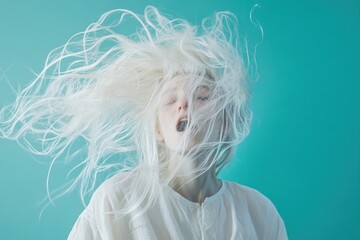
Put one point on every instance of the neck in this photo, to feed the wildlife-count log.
(199, 188)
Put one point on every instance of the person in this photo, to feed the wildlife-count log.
(160, 112)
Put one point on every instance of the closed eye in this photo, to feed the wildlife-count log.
(202, 98)
(170, 101)
(202, 93)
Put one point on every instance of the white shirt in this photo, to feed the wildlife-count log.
(234, 212)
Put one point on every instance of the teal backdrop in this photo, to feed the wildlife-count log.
(304, 148)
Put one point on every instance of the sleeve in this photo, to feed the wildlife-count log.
(276, 229)
(89, 224)
(99, 219)
(85, 228)
(268, 222)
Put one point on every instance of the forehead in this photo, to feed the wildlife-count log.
(187, 82)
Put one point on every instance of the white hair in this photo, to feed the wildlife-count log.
(103, 88)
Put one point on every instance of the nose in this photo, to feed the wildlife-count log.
(182, 105)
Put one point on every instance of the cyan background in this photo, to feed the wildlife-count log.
(304, 149)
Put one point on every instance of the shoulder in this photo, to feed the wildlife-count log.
(255, 200)
(263, 213)
(250, 194)
(110, 192)
(97, 219)
(116, 182)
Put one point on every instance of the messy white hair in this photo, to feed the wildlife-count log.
(103, 88)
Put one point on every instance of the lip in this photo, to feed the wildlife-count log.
(182, 118)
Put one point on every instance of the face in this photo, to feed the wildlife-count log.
(175, 116)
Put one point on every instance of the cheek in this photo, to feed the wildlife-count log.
(164, 120)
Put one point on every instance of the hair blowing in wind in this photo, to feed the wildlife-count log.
(104, 88)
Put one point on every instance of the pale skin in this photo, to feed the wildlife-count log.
(174, 108)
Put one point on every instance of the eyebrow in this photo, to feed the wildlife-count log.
(172, 89)
(203, 86)
(169, 90)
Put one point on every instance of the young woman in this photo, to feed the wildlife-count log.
(162, 110)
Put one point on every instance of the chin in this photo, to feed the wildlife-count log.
(191, 145)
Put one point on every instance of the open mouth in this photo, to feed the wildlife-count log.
(182, 125)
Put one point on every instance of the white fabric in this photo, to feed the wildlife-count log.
(234, 212)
